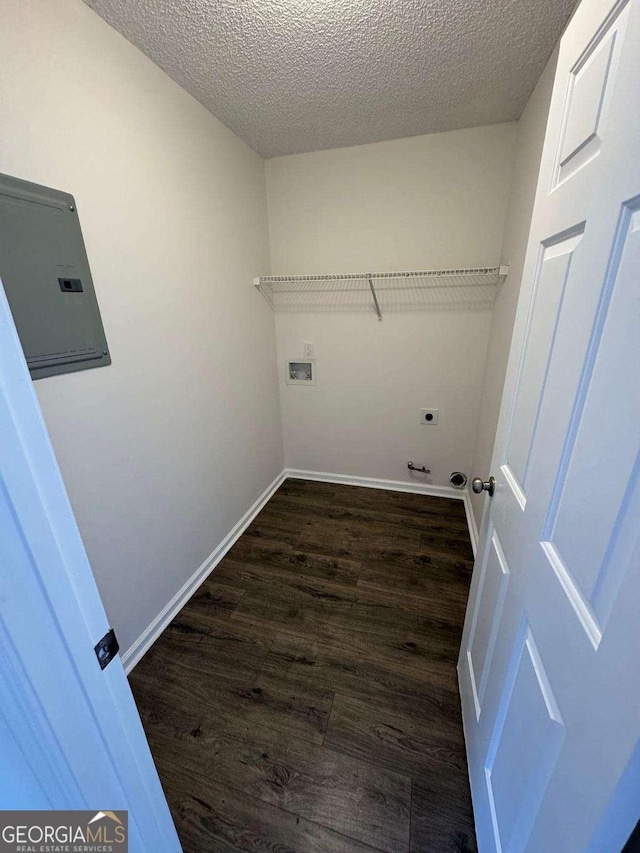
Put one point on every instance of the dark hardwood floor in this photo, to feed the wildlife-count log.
(306, 699)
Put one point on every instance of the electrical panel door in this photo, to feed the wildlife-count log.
(45, 273)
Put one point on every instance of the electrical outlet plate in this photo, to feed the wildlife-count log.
(307, 349)
(429, 417)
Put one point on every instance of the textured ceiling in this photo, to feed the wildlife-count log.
(301, 75)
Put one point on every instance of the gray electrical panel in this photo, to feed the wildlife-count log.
(45, 273)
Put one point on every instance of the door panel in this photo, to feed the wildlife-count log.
(590, 81)
(548, 667)
(493, 590)
(530, 726)
(608, 393)
(548, 296)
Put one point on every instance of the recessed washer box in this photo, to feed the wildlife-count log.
(300, 371)
(45, 273)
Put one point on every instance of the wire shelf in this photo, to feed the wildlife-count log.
(461, 289)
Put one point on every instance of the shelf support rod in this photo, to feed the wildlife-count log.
(375, 300)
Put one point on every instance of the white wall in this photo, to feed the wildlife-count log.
(435, 201)
(531, 130)
(166, 449)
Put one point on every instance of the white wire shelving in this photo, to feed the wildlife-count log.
(382, 292)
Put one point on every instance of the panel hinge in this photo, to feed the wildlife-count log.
(107, 648)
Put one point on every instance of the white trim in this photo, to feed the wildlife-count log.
(372, 483)
(471, 521)
(396, 486)
(148, 637)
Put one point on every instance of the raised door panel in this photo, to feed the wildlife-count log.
(487, 617)
(595, 490)
(553, 276)
(590, 84)
(525, 746)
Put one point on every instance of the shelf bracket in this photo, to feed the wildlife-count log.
(375, 301)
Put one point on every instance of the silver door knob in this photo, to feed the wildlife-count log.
(478, 485)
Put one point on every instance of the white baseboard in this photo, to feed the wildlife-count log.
(371, 483)
(396, 486)
(471, 521)
(148, 637)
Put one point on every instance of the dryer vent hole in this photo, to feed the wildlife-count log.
(458, 480)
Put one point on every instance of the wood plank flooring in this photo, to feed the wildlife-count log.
(306, 699)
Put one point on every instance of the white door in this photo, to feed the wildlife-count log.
(70, 734)
(550, 660)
